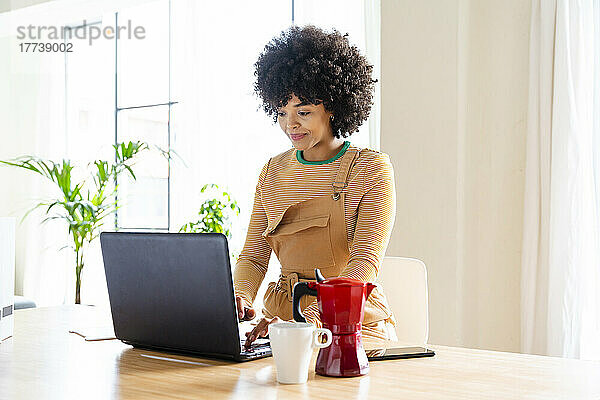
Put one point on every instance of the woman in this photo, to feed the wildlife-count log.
(324, 203)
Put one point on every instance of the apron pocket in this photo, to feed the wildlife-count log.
(303, 244)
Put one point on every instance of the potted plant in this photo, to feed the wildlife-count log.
(215, 213)
(83, 205)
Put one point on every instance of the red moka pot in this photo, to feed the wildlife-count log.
(341, 306)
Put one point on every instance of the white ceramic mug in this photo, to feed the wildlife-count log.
(292, 344)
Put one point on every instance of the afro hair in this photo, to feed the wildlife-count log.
(318, 67)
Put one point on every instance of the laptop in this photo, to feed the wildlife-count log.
(174, 292)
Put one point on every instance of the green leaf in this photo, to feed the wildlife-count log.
(131, 172)
(31, 210)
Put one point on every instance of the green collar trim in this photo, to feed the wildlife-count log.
(301, 159)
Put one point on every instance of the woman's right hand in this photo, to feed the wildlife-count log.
(245, 310)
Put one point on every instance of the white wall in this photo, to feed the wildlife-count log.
(454, 103)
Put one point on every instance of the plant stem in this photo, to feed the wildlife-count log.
(78, 268)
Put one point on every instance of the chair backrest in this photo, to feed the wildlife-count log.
(404, 282)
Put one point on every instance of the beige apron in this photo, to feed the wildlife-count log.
(312, 234)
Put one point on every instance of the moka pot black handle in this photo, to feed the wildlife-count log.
(303, 289)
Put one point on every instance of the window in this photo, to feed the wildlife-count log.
(143, 113)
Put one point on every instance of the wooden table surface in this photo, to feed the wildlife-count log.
(43, 361)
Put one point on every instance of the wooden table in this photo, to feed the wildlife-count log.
(43, 361)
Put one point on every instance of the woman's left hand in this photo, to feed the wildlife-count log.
(260, 330)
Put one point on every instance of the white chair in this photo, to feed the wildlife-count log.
(404, 282)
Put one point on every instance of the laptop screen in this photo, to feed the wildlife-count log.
(172, 291)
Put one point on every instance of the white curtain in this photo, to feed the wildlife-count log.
(561, 238)
(216, 127)
(32, 124)
(35, 121)
(372, 27)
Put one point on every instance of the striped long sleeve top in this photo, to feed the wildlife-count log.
(370, 211)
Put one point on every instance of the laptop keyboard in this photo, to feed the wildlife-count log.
(259, 347)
